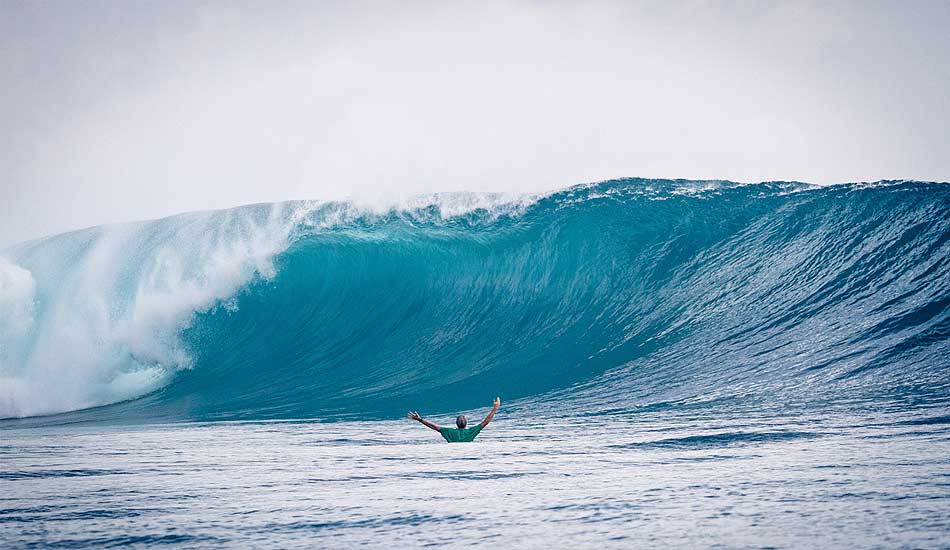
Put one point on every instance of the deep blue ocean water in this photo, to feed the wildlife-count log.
(688, 364)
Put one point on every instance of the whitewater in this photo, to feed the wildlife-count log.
(750, 358)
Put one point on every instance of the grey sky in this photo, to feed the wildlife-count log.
(118, 111)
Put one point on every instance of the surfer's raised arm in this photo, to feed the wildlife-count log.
(415, 416)
(491, 415)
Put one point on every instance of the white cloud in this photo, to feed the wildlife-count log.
(125, 111)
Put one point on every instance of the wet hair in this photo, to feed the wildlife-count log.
(461, 421)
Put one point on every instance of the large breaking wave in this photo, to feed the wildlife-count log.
(625, 293)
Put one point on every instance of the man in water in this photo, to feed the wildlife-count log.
(460, 434)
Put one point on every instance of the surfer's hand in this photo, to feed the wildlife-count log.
(497, 402)
(414, 415)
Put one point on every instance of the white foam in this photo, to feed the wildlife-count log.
(17, 294)
(110, 303)
(445, 206)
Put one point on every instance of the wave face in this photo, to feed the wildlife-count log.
(627, 293)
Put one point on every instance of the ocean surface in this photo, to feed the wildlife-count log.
(681, 363)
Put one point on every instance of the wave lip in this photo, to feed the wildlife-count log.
(612, 295)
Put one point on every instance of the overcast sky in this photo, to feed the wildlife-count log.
(115, 111)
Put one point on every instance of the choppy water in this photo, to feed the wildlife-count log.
(850, 477)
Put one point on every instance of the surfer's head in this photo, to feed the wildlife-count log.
(461, 421)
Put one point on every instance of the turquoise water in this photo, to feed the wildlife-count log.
(681, 363)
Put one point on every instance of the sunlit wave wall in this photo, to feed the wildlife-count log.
(626, 293)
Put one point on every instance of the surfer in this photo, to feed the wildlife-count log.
(462, 433)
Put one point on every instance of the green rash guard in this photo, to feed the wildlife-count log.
(455, 435)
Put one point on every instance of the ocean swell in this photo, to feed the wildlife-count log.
(625, 293)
